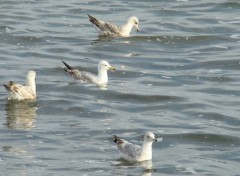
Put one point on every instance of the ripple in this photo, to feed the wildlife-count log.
(179, 77)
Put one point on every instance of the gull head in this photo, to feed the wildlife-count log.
(104, 65)
(31, 75)
(134, 21)
(149, 137)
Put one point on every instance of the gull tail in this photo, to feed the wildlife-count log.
(68, 67)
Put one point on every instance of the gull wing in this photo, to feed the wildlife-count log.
(105, 27)
(80, 75)
(18, 91)
(129, 151)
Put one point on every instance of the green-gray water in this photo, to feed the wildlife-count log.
(178, 77)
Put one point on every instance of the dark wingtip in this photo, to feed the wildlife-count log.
(92, 19)
(68, 66)
(64, 62)
(7, 86)
(115, 138)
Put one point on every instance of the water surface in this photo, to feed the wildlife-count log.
(178, 77)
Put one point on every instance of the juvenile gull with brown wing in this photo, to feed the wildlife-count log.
(108, 29)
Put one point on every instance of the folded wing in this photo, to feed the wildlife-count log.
(19, 92)
(83, 76)
(105, 27)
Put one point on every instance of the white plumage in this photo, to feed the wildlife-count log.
(85, 77)
(136, 153)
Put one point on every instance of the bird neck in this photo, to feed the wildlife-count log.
(147, 150)
(31, 83)
(102, 76)
(127, 28)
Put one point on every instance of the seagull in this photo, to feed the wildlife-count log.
(20, 92)
(135, 153)
(108, 29)
(85, 77)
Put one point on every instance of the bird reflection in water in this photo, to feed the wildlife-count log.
(147, 166)
(21, 114)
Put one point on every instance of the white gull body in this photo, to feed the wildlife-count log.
(108, 29)
(136, 153)
(20, 92)
(85, 77)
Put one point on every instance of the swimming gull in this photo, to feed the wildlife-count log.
(20, 92)
(86, 77)
(136, 153)
(108, 29)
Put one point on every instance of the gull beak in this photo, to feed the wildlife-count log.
(138, 29)
(158, 139)
(112, 68)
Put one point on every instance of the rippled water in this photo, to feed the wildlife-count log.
(178, 77)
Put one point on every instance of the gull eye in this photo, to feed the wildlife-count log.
(136, 22)
(105, 65)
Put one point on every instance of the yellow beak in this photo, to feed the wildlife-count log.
(112, 68)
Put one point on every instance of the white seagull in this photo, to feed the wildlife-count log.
(108, 29)
(20, 92)
(136, 153)
(85, 77)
